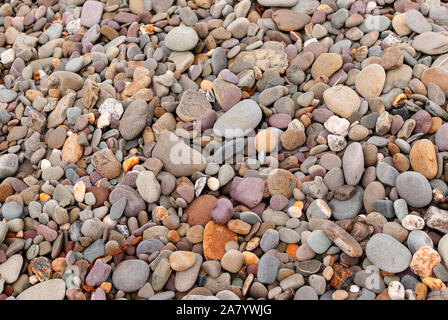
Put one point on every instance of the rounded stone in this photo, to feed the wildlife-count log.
(387, 253)
(130, 275)
(414, 188)
(370, 81)
(181, 39)
(342, 100)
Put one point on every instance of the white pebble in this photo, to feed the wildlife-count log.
(396, 290)
(7, 56)
(213, 184)
(295, 212)
(45, 164)
(413, 222)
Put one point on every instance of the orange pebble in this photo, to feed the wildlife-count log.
(433, 283)
(129, 163)
(298, 204)
(385, 273)
(250, 258)
(436, 123)
(161, 213)
(106, 286)
(305, 120)
(44, 197)
(173, 236)
(158, 111)
(245, 95)
(90, 118)
(291, 249)
(36, 76)
(206, 85)
(56, 62)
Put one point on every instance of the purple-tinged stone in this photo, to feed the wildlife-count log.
(126, 17)
(249, 191)
(423, 121)
(279, 120)
(396, 125)
(222, 211)
(278, 202)
(98, 274)
(149, 246)
(91, 13)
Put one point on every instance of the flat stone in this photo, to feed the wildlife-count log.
(239, 121)
(387, 253)
(178, 158)
(342, 100)
(414, 188)
(267, 269)
(342, 239)
(215, 239)
(370, 81)
(432, 43)
(130, 275)
(181, 39)
(49, 290)
(192, 105)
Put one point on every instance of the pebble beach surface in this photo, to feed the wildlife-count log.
(223, 150)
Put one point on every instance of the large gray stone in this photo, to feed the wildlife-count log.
(130, 275)
(239, 121)
(414, 188)
(387, 253)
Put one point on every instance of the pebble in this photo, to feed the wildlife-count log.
(10, 269)
(342, 100)
(414, 188)
(267, 269)
(11, 210)
(387, 253)
(53, 289)
(248, 114)
(130, 275)
(182, 260)
(181, 39)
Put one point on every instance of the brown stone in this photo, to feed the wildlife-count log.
(182, 260)
(192, 105)
(421, 290)
(109, 32)
(89, 93)
(106, 164)
(215, 238)
(101, 195)
(239, 226)
(392, 58)
(401, 162)
(72, 150)
(56, 137)
(326, 65)
(5, 191)
(437, 76)
(292, 138)
(383, 295)
(282, 182)
(289, 20)
(198, 212)
(423, 158)
(139, 83)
